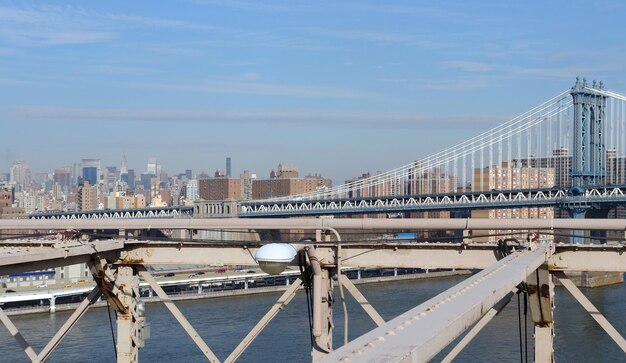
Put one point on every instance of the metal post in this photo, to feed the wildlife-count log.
(323, 303)
(322, 307)
(128, 339)
(541, 302)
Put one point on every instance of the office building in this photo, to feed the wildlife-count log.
(19, 175)
(91, 163)
(219, 189)
(87, 197)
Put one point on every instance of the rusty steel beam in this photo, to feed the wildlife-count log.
(15, 260)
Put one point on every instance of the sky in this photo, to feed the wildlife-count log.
(338, 88)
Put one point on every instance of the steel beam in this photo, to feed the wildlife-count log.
(62, 254)
(588, 258)
(128, 334)
(18, 336)
(316, 223)
(541, 303)
(208, 353)
(69, 323)
(419, 334)
(282, 302)
(592, 310)
(322, 297)
(382, 255)
(369, 309)
(478, 327)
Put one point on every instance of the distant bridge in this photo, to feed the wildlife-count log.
(568, 152)
(164, 212)
(500, 199)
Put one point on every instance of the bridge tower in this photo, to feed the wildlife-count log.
(589, 154)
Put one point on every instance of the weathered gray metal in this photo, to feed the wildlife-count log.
(420, 333)
(319, 223)
(541, 303)
(588, 160)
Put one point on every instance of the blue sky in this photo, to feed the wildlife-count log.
(338, 88)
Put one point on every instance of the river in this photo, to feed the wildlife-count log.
(223, 322)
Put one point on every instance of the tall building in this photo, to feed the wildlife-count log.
(615, 168)
(511, 177)
(146, 180)
(192, 191)
(87, 198)
(131, 179)
(153, 167)
(63, 176)
(228, 166)
(286, 182)
(6, 198)
(560, 161)
(247, 179)
(90, 174)
(110, 177)
(123, 166)
(32, 202)
(91, 163)
(20, 175)
(285, 171)
(219, 189)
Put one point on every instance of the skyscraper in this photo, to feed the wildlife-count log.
(20, 175)
(152, 166)
(90, 174)
(123, 166)
(91, 163)
(228, 170)
(130, 179)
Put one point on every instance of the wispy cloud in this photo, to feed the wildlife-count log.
(482, 75)
(252, 5)
(380, 37)
(161, 23)
(471, 66)
(114, 69)
(49, 26)
(258, 88)
(298, 118)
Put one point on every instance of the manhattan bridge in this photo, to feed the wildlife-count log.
(563, 158)
(568, 152)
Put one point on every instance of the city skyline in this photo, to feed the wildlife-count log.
(336, 88)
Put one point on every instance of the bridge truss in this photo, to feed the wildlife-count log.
(417, 335)
(495, 199)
